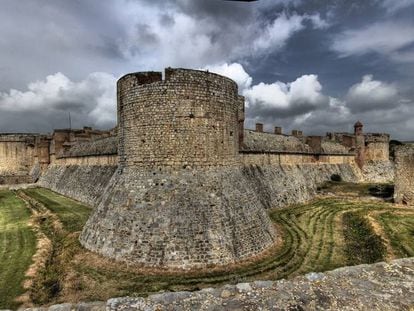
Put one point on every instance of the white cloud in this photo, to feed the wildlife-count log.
(92, 101)
(176, 36)
(297, 97)
(396, 5)
(274, 36)
(317, 21)
(371, 94)
(233, 71)
(382, 38)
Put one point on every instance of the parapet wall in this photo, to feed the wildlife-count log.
(404, 175)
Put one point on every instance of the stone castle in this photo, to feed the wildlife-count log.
(179, 183)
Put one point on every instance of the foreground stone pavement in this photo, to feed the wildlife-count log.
(381, 286)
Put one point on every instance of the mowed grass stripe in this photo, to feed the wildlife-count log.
(18, 245)
(72, 214)
(313, 240)
(399, 229)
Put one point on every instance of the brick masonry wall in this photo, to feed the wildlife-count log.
(404, 175)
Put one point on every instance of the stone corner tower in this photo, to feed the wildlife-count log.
(179, 199)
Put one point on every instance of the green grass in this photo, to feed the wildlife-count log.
(399, 229)
(17, 246)
(321, 235)
(362, 244)
(72, 214)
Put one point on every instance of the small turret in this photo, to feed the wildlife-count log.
(358, 128)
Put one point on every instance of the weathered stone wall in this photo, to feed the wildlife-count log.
(260, 141)
(330, 147)
(189, 119)
(188, 219)
(99, 147)
(17, 152)
(378, 172)
(404, 175)
(85, 183)
(282, 185)
(377, 147)
(279, 158)
(15, 179)
(103, 160)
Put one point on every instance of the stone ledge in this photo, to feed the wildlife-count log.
(380, 286)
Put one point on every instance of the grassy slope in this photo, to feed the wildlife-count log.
(314, 239)
(72, 214)
(17, 246)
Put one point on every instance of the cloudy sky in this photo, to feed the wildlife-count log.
(315, 65)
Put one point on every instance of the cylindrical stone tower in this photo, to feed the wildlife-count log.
(180, 199)
(189, 119)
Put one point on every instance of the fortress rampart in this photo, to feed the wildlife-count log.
(180, 183)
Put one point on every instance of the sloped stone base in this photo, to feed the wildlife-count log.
(180, 220)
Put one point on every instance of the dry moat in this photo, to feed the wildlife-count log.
(346, 224)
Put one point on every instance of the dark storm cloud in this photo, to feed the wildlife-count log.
(315, 65)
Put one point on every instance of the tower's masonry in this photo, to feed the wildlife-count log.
(190, 119)
(180, 199)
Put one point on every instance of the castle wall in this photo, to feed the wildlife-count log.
(279, 186)
(179, 199)
(269, 142)
(85, 183)
(188, 220)
(17, 158)
(377, 147)
(404, 175)
(99, 160)
(279, 158)
(189, 119)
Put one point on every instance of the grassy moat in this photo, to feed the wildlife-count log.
(347, 224)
